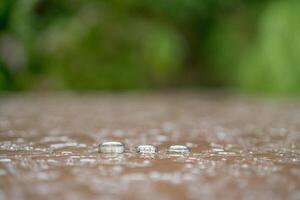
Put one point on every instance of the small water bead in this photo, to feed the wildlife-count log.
(5, 160)
(217, 150)
(146, 149)
(179, 149)
(111, 147)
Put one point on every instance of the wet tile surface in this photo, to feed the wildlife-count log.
(241, 148)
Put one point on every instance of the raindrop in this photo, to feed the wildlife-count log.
(5, 160)
(111, 147)
(179, 149)
(87, 160)
(146, 149)
(217, 149)
(62, 145)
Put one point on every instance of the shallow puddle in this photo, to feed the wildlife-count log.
(240, 148)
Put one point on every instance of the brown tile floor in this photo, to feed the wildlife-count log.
(242, 148)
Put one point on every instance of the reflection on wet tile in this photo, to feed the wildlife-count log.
(52, 144)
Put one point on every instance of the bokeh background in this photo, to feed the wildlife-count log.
(249, 46)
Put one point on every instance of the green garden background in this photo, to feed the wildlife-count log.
(113, 45)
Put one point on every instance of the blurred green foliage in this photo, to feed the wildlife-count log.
(252, 45)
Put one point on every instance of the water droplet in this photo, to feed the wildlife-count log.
(178, 149)
(62, 145)
(146, 149)
(225, 153)
(66, 152)
(87, 160)
(52, 161)
(217, 149)
(111, 147)
(5, 160)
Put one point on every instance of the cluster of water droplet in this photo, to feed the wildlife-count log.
(236, 154)
(118, 147)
